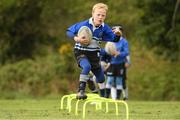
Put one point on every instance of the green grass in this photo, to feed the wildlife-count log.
(50, 109)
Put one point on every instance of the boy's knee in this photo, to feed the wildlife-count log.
(86, 68)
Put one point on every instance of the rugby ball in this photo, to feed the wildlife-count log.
(85, 32)
(110, 48)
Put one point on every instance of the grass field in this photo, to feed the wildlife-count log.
(49, 109)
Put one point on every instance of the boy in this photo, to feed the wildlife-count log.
(117, 71)
(88, 56)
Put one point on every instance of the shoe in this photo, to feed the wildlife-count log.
(81, 95)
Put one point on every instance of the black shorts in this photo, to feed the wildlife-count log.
(92, 56)
(116, 70)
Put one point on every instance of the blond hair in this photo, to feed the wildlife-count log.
(100, 5)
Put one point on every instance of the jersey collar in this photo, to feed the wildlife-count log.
(91, 22)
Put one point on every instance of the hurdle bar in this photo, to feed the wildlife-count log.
(92, 98)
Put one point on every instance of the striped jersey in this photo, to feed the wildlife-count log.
(100, 33)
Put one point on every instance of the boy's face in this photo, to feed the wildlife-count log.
(99, 16)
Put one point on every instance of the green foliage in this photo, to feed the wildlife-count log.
(152, 78)
(158, 28)
(36, 77)
(21, 30)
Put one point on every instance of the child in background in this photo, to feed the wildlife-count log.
(116, 71)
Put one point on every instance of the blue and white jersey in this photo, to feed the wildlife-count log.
(100, 33)
(123, 47)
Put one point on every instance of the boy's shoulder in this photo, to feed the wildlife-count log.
(106, 27)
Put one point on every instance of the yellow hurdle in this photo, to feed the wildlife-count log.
(92, 98)
(69, 99)
(63, 100)
(107, 109)
(89, 97)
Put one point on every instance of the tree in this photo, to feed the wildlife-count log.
(21, 30)
(161, 26)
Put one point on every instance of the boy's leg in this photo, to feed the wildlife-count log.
(125, 88)
(109, 86)
(119, 87)
(118, 94)
(113, 93)
(102, 91)
(91, 84)
(100, 79)
(86, 67)
(125, 91)
(82, 86)
(113, 88)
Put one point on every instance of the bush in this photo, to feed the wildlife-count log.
(42, 76)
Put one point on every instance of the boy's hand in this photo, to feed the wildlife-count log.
(116, 53)
(127, 65)
(82, 40)
(117, 32)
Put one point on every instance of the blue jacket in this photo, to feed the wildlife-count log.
(123, 47)
(101, 33)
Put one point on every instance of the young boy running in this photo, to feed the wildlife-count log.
(88, 56)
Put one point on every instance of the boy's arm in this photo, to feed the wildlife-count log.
(118, 34)
(72, 33)
(128, 61)
(79, 39)
(123, 53)
(126, 50)
(110, 36)
(116, 38)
